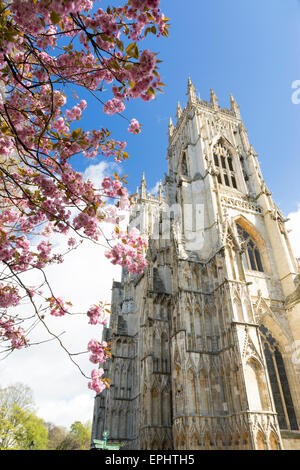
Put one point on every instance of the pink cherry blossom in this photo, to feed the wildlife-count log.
(135, 127)
(48, 49)
(97, 383)
(97, 315)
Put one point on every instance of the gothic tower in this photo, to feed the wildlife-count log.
(204, 341)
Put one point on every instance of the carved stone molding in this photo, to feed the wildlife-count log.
(241, 204)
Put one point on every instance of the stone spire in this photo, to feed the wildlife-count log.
(213, 99)
(191, 92)
(143, 187)
(160, 191)
(178, 110)
(171, 127)
(234, 107)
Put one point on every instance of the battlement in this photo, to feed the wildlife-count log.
(194, 101)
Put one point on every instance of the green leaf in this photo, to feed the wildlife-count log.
(150, 91)
(120, 45)
(54, 17)
(130, 48)
(115, 64)
(136, 52)
(75, 134)
(9, 35)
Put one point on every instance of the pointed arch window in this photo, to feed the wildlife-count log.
(183, 165)
(251, 254)
(279, 382)
(224, 164)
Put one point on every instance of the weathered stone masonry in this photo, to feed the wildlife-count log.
(204, 342)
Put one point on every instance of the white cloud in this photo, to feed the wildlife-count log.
(62, 411)
(294, 235)
(60, 391)
(155, 188)
(96, 173)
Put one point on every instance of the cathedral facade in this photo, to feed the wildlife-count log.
(204, 342)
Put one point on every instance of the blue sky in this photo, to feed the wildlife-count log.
(248, 48)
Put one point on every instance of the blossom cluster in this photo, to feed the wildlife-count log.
(97, 383)
(57, 307)
(135, 127)
(97, 314)
(100, 351)
(44, 47)
(9, 296)
(129, 252)
(15, 335)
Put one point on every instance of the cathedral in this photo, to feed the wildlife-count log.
(204, 342)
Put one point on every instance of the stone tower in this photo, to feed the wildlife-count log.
(205, 340)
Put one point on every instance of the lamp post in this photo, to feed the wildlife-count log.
(104, 445)
(105, 434)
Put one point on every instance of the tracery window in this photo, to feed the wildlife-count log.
(279, 382)
(251, 255)
(224, 163)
